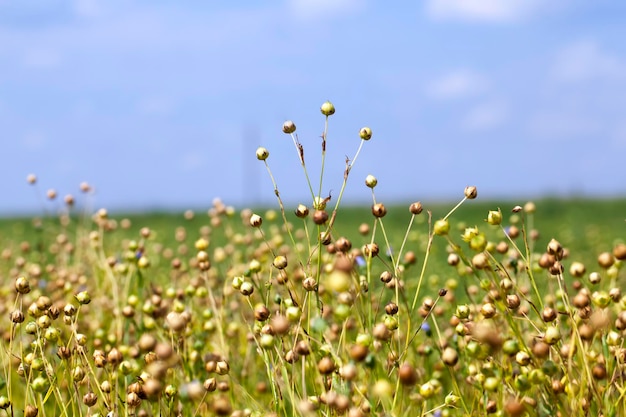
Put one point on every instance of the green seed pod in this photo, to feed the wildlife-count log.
(427, 390)
(266, 341)
(521, 383)
(327, 109)
(494, 218)
(280, 262)
(600, 299)
(246, 288)
(391, 322)
(371, 181)
(31, 328)
(4, 402)
(365, 133)
(83, 297)
(40, 384)
(451, 400)
(341, 311)
(536, 376)
(441, 227)
(462, 311)
(491, 384)
(552, 335)
(22, 286)
(262, 154)
(510, 347)
(171, 391)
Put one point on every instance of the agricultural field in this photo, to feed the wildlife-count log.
(507, 308)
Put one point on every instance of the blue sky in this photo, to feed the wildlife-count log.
(162, 104)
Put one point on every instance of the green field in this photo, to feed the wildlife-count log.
(586, 226)
(168, 313)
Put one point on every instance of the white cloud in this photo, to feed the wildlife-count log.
(563, 125)
(314, 9)
(619, 137)
(192, 161)
(484, 10)
(457, 84)
(585, 60)
(34, 141)
(486, 116)
(41, 59)
(156, 106)
(87, 8)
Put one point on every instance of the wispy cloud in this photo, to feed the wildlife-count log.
(457, 84)
(156, 106)
(484, 10)
(315, 9)
(619, 137)
(34, 140)
(486, 116)
(564, 124)
(586, 60)
(88, 8)
(41, 59)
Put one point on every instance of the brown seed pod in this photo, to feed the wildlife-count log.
(513, 232)
(358, 352)
(512, 301)
(279, 324)
(133, 400)
(146, 342)
(416, 208)
(407, 374)
(343, 245)
(453, 259)
(599, 371)
(31, 411)
(303, 348)
(371, 249)
(491, 407)
(555, 248)
(480, 261)
(581, 300)
(320, 217)
(381, 332)
(488, 310)
(586, 331)
(619, 251)
(577, 269)
(90, 399)
(502, 247)
(449, 356)
(514, 408)
(386, 277)
(222, 406)
(291, 356)
(289, 127)
(391, 308)
(379, 210)
(557, 268)
(546, 260)
(261, 312)
(410, 258)
(548, 314)
(344, 264)
(326, 365)
(606, 260)
(471, 192)
(541, 349)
